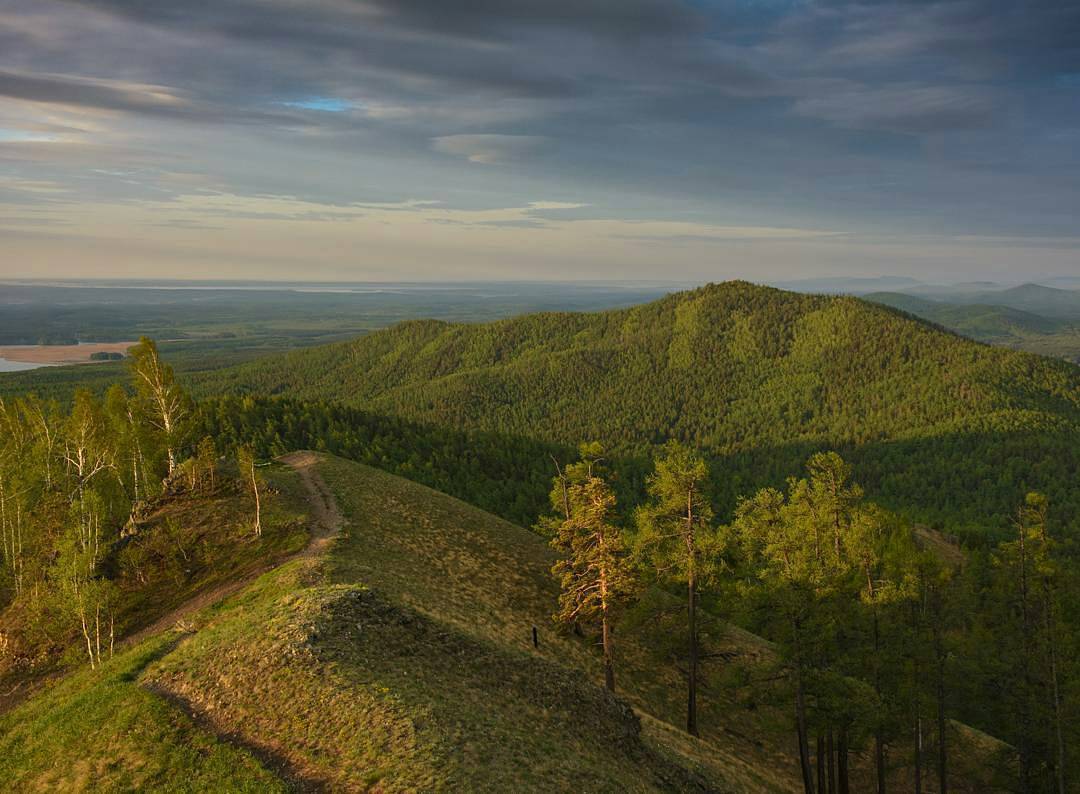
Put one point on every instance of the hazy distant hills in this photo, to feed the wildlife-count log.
(1061, 304)
(1038, 318)
(1031, 317)
(980, 321)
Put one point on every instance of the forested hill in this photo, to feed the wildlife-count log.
(734, 369)
(729, 366)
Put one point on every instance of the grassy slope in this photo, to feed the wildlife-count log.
(465, 568)
(126, 737)
(187, 546)
(461, 567)
(401, 661)
(326, 672)
(102, 731)
(415, 642)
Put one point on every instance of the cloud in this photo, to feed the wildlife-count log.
(322, 104)
(89, 92)
(556, 205)
(955, 115)
(908, 109)
(73, 92)
(488, 149)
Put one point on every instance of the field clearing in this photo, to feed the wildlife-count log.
(61, 354)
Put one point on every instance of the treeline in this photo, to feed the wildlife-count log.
(503, 475)
(967, 484)
(881, 641)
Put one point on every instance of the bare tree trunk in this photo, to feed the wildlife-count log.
(86, 634)
(879, 740)
(691, 702)
(832, 762)
(918, 755)
(97, 630)
(1055, 692)
(258, 506)
(820, 762)
(916, 709)
(609, 661)
(844, 783)
(691, 554)
(943, 775)
(800, 713)
(1025, 695)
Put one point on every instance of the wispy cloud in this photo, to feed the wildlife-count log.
(489, 148)
(949, 117)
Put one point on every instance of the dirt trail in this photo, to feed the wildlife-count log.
(326, 520)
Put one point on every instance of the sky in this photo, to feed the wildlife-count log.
(539, 139)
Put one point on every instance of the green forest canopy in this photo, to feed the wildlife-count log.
(947, 430)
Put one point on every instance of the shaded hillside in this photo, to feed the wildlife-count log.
(994, 324)
(1052, 302)
(985, 322)
(753, 375)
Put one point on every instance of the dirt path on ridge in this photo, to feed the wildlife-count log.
(325, 521)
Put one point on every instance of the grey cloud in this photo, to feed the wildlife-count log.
(907, 109)
(90, 93)
(488, 149)
(120, 96)
(789, 113)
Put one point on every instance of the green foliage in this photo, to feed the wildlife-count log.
(593, 569)
(90, 545)
(676, 538)
(942, 429)
(508, 476)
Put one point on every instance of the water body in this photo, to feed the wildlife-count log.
(19, 366)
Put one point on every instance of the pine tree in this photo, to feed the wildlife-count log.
(678, 542)
(593, 572)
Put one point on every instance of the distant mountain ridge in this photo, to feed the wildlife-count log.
(1051, 302)
(985, 322)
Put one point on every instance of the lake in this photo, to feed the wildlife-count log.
(19, 366)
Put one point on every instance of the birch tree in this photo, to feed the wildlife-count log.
(249, 474)
(164, 403)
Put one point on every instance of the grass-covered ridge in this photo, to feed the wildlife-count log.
(328, 673)
(103, 731)
(400, 658)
